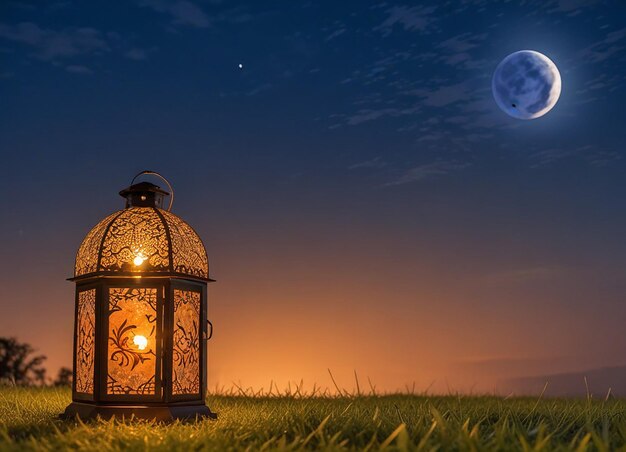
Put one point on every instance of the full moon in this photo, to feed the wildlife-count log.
(526, 84)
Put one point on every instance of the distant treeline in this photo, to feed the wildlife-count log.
(21, 366)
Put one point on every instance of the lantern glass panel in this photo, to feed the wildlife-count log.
(85, 341)
(186, 343)
(132, 341)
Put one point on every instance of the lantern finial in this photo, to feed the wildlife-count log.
(144, 194)
(147, 194)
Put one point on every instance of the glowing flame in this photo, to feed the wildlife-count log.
(138, 260)
(141, 342)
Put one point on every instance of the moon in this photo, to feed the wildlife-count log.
(526, 84)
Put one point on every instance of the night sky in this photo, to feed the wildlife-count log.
(364, 202)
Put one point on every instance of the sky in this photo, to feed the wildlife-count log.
(365, 204)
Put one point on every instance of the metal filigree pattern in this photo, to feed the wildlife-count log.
(131, 363)
(87, 256)
(187, 248)
(138, 231)
(186, 338)
(116, 242)
(85, 341)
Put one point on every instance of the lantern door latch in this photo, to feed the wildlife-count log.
(210, 334)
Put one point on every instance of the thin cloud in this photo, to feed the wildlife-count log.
(570, 6)
(52, 45)
(376, 162)
(587, 153)
(259, 89)
(335, 33)
(366, 115)
(457, 50)
(78, 69)
(462, 42)
(523, 275)
(429, 171)
(137, 54)
(443, 95)
(182, 12)
(602, 50)
(417, 18)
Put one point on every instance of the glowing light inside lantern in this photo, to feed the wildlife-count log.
(141, 342)
(138, 260)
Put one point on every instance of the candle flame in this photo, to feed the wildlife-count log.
(141, 342)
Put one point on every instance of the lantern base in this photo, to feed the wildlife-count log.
(156, 412)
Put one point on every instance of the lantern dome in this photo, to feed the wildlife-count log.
(142, 238)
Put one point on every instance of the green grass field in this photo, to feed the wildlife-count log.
(28, 421)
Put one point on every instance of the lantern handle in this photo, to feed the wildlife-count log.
(154, 173)
(211, 332)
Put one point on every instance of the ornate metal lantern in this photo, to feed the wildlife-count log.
(141, 313)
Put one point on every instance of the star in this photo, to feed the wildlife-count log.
(240, 66)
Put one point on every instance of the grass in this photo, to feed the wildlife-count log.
(28, 421)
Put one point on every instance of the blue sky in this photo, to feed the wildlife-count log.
(358, 138)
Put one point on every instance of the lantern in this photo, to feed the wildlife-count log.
(141, 324)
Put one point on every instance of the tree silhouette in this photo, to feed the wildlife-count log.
(18, 366)
(64, 377)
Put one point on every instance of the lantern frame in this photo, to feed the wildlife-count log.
(164, 403)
